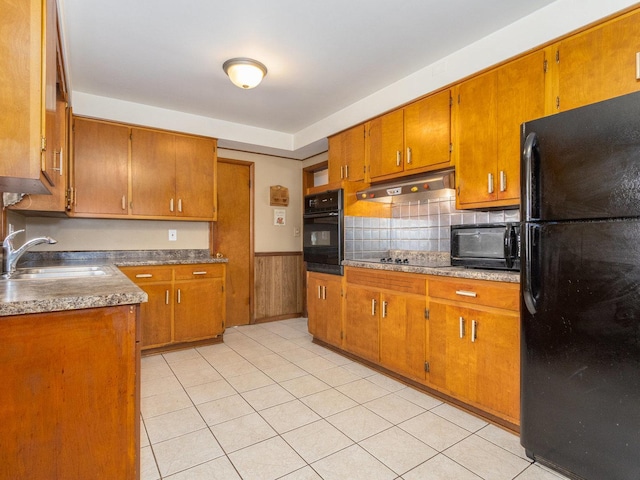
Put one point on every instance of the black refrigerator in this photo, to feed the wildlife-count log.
(580, 305)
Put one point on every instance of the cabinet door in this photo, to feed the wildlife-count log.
(100, 167)
(385, 145)
(155, 315)
(199, 309)
(402, 334)
(50, 151)
(449, 358)
(477, 139)
(315, 305)
(153, 173)
(361, 322)
(599, 63)
(520, 98)
(21, 97)
(427, 131)
(195, 167)
(346, 155)
(495, 381)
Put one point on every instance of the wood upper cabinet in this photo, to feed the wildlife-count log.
(597, 64)
(27, 94)
(324, 306)
(346, 155)
(489, 111)
(99, 178)
(474, 343)
(415, 138)
(172, 175)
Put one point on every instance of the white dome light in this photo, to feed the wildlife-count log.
(244, 72)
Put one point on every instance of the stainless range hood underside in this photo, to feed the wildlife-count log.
(423, 187)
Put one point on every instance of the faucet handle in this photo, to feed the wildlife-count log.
(8, 240)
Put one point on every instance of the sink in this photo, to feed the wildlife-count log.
(61, 272)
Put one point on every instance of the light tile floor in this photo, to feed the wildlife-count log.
(269, 404)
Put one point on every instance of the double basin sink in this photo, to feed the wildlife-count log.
(78, 271)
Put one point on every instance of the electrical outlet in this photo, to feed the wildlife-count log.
(296, 231)
(173, 235)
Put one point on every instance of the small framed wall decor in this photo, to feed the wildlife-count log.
(279, 217)
(279, 196)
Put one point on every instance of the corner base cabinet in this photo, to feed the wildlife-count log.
(69, 406)
(186, 302)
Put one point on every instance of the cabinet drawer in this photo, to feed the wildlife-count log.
(477, 292)
(147, 274)
(200, 270)
(385, 280)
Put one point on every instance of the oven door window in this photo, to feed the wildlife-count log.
(321, 240)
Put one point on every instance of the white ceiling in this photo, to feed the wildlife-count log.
(321, 55)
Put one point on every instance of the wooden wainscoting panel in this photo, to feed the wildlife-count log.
(279, 286)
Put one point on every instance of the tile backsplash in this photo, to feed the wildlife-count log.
(420, 226)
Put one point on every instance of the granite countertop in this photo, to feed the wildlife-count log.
(433, 263)
(22, 296)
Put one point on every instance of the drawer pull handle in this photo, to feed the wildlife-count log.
(474, 330)
(461, 327)
(144, 275)
(202, 272)
(466, 293)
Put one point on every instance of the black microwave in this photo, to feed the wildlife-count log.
(489, 245)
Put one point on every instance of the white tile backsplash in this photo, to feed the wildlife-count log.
(420, 226)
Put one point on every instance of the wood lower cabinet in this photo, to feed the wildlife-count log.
(385, 319)
(324, 306)
(474, 344)
(70, 404)
(186, 302)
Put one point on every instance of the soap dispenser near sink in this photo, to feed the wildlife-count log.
(11, 255)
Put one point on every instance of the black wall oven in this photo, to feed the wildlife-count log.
(323, 245)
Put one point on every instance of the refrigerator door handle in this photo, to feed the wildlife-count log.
(531, 259)
(529, 156)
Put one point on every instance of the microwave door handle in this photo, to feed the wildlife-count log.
(529, 156)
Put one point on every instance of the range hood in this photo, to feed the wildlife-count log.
(423, 187)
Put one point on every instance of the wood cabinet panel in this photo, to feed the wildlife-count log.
(70, 404)
(279, 285)
(361, 322)
(186, 302)
(402, 334)
(490, 109)
(474, 347)
(22, 119)
(100, 168)
(414, 138)
(195, 170)
(199, 309)
(599, 63)
(324, 306)
(346, 155)
(153, 173)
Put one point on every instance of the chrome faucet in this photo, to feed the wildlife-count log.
(10, 256)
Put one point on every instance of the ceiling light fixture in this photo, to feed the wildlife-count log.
(244, 72)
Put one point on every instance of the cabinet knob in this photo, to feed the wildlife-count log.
(373, 307)
(384, 309)
(474, 330)
(398, 158)
(408, 155)
(503, 181)
(461, 325)
(490, 183)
